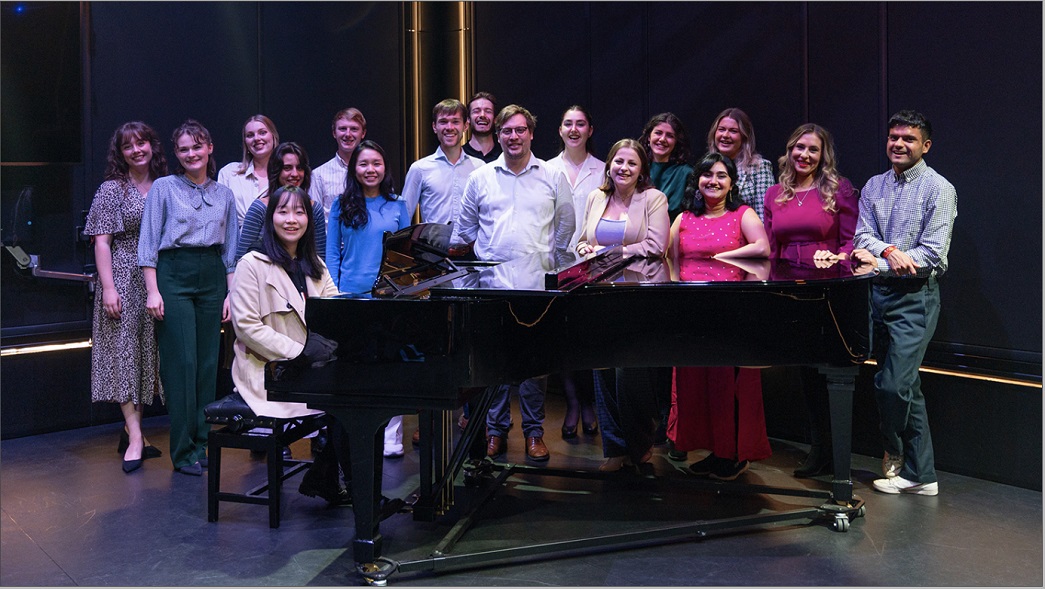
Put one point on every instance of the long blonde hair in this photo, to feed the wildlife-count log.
(825, 178)
(247, 156)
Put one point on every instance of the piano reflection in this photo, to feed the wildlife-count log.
(436, 333)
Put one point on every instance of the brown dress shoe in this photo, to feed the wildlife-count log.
(535, 449)
(496, 446)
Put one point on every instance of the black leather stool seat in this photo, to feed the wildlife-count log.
(245, 430)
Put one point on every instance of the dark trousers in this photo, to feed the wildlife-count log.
(628, 409)
(904, 312)
(192, 283)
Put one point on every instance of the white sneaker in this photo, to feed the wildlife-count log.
(897, 485)
(892, 465)
(394, 437)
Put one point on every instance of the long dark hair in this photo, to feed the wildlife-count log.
(680, 154)
(693, 201)
(353, 203)
(589, 145)
(200, 134)
(116, 166)
(276, 165)
(307, 260)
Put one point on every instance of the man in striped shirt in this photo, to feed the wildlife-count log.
(906, 220)
(328, 180)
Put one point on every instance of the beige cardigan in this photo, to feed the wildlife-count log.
(646, 229)
(268, 315)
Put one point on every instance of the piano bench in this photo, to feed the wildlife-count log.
(245, 430)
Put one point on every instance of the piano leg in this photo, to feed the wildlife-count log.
(841, 382)
(365, 429)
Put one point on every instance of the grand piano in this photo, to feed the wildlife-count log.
(435, 333)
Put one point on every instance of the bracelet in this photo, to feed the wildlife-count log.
(887, 251)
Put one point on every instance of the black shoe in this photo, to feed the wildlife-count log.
(287, 454)
(125, 441)
(317, 482)
(818, 462)
(728, 470)
(130, 466)
(677, 455)
(591, 430)
(568, 433)
(660, 437)
(193, 469)
(703, 467)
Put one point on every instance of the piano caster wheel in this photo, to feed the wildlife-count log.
(376, 573)
(841, 523)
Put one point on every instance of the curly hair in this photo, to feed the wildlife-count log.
(693, 201)
(681, 153)
(825, 177)
(353, 204)
(116, 167)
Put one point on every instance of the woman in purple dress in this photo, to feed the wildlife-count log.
(810, 216)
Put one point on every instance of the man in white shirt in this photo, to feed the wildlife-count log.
(436, 182)
(328, 180)
(515, 206)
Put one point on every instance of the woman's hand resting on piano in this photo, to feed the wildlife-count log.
(584, 248)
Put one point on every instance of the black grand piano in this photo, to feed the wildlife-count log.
(436, 333)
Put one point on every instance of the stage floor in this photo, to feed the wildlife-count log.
(70, 516)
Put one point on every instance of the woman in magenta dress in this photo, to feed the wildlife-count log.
(810, 215)
(717, 408)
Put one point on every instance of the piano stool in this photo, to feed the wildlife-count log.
(245, 430)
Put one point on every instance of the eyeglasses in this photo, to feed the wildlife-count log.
(520, 131)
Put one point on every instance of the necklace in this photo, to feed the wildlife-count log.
(804, 194)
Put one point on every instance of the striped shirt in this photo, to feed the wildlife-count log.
(254, 221)
(913, 210)
(180, 213)
(328, 182)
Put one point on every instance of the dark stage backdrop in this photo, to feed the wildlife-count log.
(73, 71)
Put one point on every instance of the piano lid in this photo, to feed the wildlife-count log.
(414, 259)
(559, 272)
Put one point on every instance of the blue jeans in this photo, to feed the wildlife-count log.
(531, 406)
(904, 312)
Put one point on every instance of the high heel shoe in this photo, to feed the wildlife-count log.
(591, 430)
(125, 441)
(130, 466)
(569, 432)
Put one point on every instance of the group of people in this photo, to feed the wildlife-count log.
(179, 254)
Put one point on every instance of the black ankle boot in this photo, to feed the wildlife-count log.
(818, 462)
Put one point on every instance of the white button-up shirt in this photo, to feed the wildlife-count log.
(245, 187)
(510, 215)
(437, 185)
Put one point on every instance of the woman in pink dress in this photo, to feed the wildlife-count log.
(810, 216)
(717, 408)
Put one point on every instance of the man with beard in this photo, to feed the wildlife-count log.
(906, 221)
(436, 182)
(515, 206)
(481, 144)
(328, 180)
